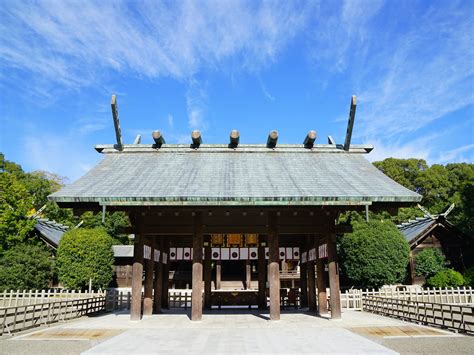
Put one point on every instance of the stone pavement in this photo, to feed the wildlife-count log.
(235, 331)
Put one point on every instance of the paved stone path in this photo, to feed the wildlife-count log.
(234, 331)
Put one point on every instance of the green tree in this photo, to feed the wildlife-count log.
(113, 224)
(85, 254)
(429, 262)
(15, 205)
(374, 254)
(26, 267)
(446, 278)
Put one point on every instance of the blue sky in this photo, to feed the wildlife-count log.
(222, 65)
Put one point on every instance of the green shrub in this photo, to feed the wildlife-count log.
(26, 267)
(429, 262)
(85, 254)
(469, 277)
(374, 254)
(446, 278)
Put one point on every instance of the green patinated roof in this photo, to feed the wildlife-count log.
(179, 175)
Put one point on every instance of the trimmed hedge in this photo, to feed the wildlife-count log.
(374, 254)
(446, 278)
(85, 254)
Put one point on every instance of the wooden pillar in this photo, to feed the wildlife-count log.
(334, 288)
(262, 279)
(303, 278)
(207, 276)
(148, 293)
(248, 274)
(166, 273)
(137, 275)
(311, 277)
(274, 267)
(321, 279)
(218, 274)
(196, 296)
(158, 280)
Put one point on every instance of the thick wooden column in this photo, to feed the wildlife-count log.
(166, 273)
(207, 276)
(196, 296)
(218, 274)
(274, 267)
(311, 277)
(248, 274)
(137, 275)
(334, 288)
(262, 278)
(158, 280)
(321, 279)
(148, 293)
(303, 278)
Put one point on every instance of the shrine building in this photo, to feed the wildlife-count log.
(235, 209)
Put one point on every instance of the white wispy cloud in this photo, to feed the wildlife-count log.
(407, 71)
(196, 105)
(71, 43)
(170, 120)
(463, 153)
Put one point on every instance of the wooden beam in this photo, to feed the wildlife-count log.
(207, 276)
(188, 230)
(321, 281)
(309, 139)
(218, 274)
(248, 274)
(158, 138)
(334, 288)
(138, 139)
(311, 280)
(166, 274)
(158, 280)
(262, 278)
(196, 296)
(196, 138)
(274, 267)
(115, 115)
(234, 139)
(148, 292)
(350, 123)
(137, 274)
(272, 139)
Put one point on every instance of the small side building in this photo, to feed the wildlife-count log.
(434, 231)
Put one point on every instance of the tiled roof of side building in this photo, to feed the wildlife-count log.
(248, 175)
(412, 229)
(51, 231)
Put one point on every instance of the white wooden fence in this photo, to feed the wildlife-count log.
(14, 298)
(457, 317)
(21, 317)
(352, 299)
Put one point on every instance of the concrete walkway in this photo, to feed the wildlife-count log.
(227, 332)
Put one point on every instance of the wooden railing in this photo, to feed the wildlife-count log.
(23, 317)
(352, 298)
(179, 299)
(456, 317)
(117, 300)
(14, 298)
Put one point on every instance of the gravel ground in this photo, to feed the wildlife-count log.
(431, 345)
(39, 347)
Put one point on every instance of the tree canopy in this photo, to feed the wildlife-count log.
(374, 254)
(85, 254)
(26, 267)
(23, 194)
(429, 262)
(440, 185)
